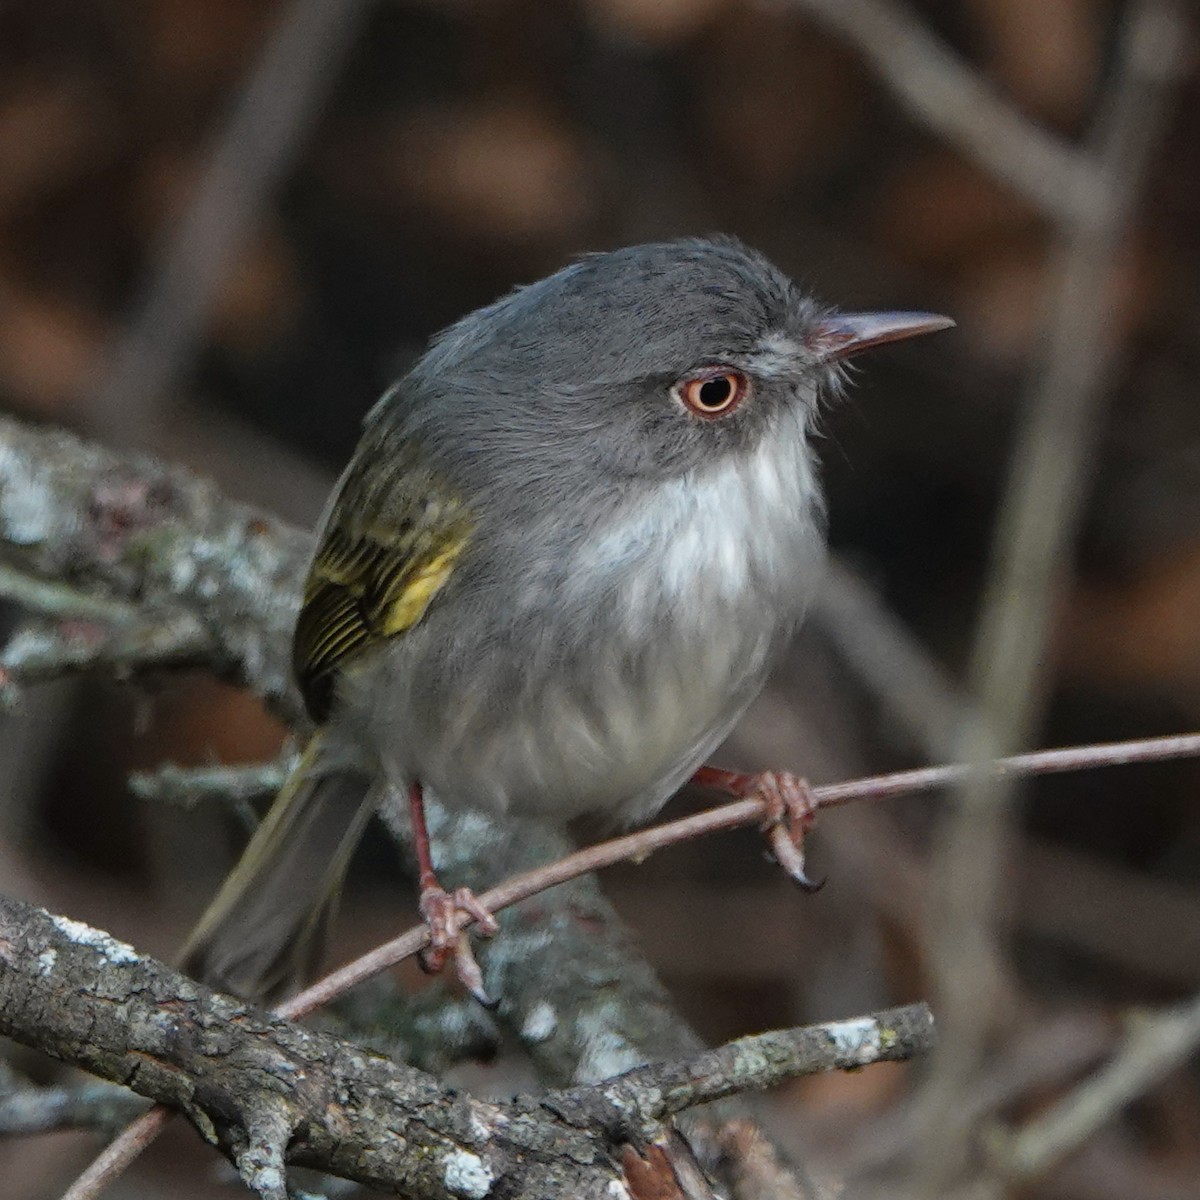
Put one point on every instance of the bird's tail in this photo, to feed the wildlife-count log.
(265, 929)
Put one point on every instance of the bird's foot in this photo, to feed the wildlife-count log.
(790, 811)
(449, 916)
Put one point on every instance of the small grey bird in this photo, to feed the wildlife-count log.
(568, 550)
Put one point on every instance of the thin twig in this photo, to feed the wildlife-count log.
(955, 102)
(55, 598)
(637, 846)
(187, 787)
(119, 1154)
(1155, 1044)
(233, 787)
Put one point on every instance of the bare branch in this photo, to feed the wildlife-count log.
(235, 787)
(187, 787)
(641, 844)
(750, 1063)
(87, 999)
(253, 153)
(954, 101)
(1155, 1044)
(28, 1108)
(1030, 559)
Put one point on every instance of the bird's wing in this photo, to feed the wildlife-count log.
(389, 544)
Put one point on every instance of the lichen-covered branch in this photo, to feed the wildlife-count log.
(127, 532)
(235, 788)
(269, 1092)
(757, 1062)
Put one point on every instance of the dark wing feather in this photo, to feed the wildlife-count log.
(389, 544)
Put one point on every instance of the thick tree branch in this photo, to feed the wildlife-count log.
(269, 1092)
(255, 1084)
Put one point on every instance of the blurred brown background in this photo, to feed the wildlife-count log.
(455, 149)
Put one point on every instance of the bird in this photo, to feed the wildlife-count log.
(572, 543)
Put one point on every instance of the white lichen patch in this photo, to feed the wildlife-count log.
(268, 1181)
(859, 1041)
(617, 1190)
(467, 1175)
(750, 1061)
(27, 505)
(182, 573)
(541, 1023)
(46, 961)
(84, 935)
(165, 1021)
(605, 1052)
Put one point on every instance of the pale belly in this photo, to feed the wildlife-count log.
(611, 742)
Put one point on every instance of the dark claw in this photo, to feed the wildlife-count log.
(791, 858)
(468, 972)
(485, 1000)
(805, 884)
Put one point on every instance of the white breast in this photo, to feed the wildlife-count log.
(728, 531)
(710, 578)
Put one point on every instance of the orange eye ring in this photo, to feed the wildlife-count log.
(713, 392)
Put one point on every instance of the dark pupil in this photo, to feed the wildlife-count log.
(715, 392)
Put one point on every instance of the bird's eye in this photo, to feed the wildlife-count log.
(713, 392)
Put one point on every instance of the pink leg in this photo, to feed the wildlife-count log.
(790, 811)
(447, 914)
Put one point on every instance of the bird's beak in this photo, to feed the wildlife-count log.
(846, 334)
